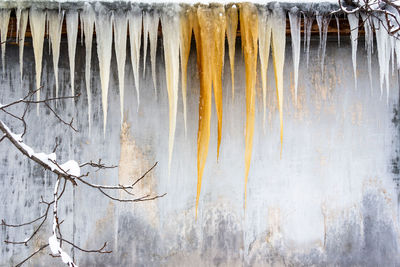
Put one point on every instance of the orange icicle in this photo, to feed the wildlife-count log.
(231, 29)
(186, 18)
(219, 25)
(249, 31)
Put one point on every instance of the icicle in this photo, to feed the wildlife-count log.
(219, 26)
(37, 19)
(135, 31)
(392, 48)
(353, 21)
(323, 23)
(55, 21)
(104, 49)
(186, 18)
(72, 33)
(22, 22)
(152, 20)
(231, 29)
(145, 37)
(308, 21)
(88, 19)
(120, 35)
(171, 36)
(383, 53)
(81, 27)
(4, 20)
(249, 30)
(264, 40)
(295, 18)
(338, 30)
(369, 39)
(278, 55)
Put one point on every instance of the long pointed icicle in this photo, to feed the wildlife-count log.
(104, 48)
(4, 20)
(383, 53)
(153, 20)
(264, 41)
(145, 38)
(278, 55)
(22, 22)
(203, 37)
(135, 32)
(249, 30)
(369, 39)
(170, 24)
(338, 30)
(120, 35)
(295, 19)
(353, 21)
(323, 23)
(308, 21)
(186, 18)
(219, 27)
(88, 18)
(55, 21)
(37, 19)
(231, 30)
(72, 34)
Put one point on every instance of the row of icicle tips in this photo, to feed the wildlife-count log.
(261, 29)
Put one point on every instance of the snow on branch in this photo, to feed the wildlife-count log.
(69, 171)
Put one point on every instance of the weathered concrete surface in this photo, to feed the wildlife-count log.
(331, 200)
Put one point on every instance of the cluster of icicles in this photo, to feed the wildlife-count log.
(260, 29)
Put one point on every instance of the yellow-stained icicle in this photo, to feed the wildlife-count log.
(186, 18)
(219, 26)
(231, 29)
(278, 24)
(170, 23)
(264, 41)
(249, 31)
(204, 44)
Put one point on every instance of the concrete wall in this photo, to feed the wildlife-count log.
(332, 198)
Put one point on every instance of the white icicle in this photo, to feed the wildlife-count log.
(82, 27)
(338, 30)
(37, 19)
(323, 22)
(383, 54)
(4, 20)
(72, 34)
(295, 19)
(120, 35)
(392, 48)
(135, 31)
(55, 21)
(308, 21)
(22, 22)
(264, 40)
(369, 39)
(104, 50)
(88, 19)
(153, 34)
(171, 36)
(353, 21)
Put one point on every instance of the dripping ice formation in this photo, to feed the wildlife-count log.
(120, 34)
(55, 21)
(294, 18)
(170, 25)
(22, 22)
(353, 21)
(264, 42)
(135, 32)
(103, 21)
(4, 20)
(88, 19)
(37, 19)
(72, 34)
(261, 28)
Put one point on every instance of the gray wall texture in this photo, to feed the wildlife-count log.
(331, 199)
